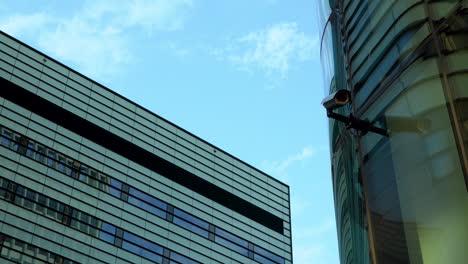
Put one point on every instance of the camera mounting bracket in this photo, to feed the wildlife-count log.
(358, 124)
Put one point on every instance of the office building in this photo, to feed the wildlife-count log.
(87, 176)
(402, 197)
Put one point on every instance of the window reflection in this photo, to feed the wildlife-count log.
(239, 249)
(21, 252)
(6, 138)
(87, 223)
(267, 254)
(181, 259)
(231, 237)
(187, 225)
(147, 198)
(190, 222)
(416, 186)
(90, 225)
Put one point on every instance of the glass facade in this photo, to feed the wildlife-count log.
(401, 198)
(87, 176)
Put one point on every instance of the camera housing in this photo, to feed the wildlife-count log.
(341, 98)
(337, 99)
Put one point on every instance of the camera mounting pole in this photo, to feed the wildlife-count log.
(341, 98)
(361, 125)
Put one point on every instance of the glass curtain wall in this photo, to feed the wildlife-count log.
(348, 193)
(407, 67)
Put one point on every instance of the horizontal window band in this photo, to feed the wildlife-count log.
(107, 139)
(79, 220)
(11, 246)
(32, 149)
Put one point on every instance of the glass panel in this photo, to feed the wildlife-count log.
(51, 158)
(147, 207)
(326, 57)
(104, 182)
(116, 184)
(106, 237)
(191, 219)
(29, 150)
(267, 254)
(231, 237)
(16, 141)
(181, 259)
(141, 242)
(61, 163)
(93, 178)
(108, 228)
(263, 260)
(115, 192)
(40, 153)
(151, 256)
(3, 183)
(147, 198)
(415, 183)
(69, 167)
(232, 246)
(182, 223)
(20, 191)
(387, 65)
(6, 138)
(131, 247)
(84, 171)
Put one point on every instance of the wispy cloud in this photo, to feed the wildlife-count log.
(279, 168)
(315, 231)
(96, 38)
(21, 24)
(271, 50)
(309, 253)
(310, 241)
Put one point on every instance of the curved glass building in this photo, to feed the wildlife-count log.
(401, 198)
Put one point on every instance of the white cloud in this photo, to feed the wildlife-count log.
(271, 50)
(311, 242)
(279, 168)
(310, 232)
(96, 38)
(158, 14)
(20, 24)
(299, 206)
(308, 253)
(97, 51)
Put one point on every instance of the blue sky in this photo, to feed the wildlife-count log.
(244, 75)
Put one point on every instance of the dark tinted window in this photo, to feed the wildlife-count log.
(181, 259)
(145, 206)
(149, 199)
(190, 222)
(266, 254)
(143, 243)
(231, 237)
(191, 219)
(232, 246)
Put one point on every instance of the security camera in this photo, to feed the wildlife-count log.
(336, 99)
(343, 97)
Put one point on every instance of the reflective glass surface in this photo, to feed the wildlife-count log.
(239, 249)
(18, 251)
(177, 258)
(84, 222)
(114, 187)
